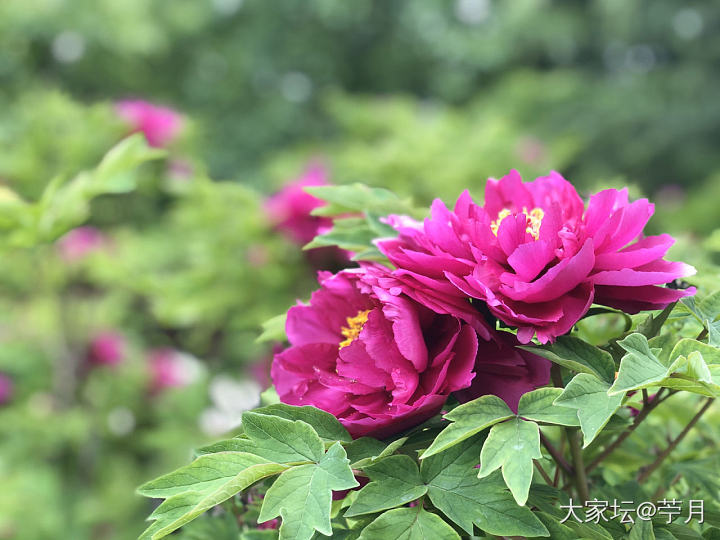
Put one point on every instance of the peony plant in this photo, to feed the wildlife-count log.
(452, 383)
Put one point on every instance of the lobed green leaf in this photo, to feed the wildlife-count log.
(469, 419)
(512, 446)
(588, 397)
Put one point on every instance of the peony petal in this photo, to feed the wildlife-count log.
(635, 299)
(641, 252)
(557, 281)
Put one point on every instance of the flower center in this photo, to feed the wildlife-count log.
(534, 220)
(354, 326)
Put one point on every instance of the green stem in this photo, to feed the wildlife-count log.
(557, 456)
(542, 472)
(647, 471)
(580, 476)
(644, 412)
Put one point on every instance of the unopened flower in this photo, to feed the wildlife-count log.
(378, 361)
(537, 255)
(160, 125)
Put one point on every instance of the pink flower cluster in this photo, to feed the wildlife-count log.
(382, 349)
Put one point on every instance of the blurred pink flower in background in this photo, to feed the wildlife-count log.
(180, 169)
(289, 209)
(531, 150)
(80, 242)
(6, 388)
(160, 125)
(170, 368)
(107, 348)
(671, 196)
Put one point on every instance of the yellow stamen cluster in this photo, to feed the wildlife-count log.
(354, 326)
(534, 220)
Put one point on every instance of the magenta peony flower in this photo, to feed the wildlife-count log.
(505, 371)
(379, 362)
(537, 255)
(160, 125)
(289, 209)
(6, 389)
(80, 242)
(107, 348)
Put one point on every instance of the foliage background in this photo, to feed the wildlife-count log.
(424, 98)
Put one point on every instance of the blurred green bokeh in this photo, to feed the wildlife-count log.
(424, 98)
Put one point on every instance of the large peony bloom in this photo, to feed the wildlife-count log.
(379, 362)
(537, 255)
(160, 125)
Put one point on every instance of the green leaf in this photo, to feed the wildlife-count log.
(409, 524)
(664, 534)
(170, 511)
(709, 306)
(557, 530)
(642, 530)
(686, 346)
(468, 500)
(63, 206)
(682, 532)
(652, 325)
(273, 329)
(539, 405)
(203, 475)
(577, 355)
(639, 368)
(238, 444)
(512, 446)
(395, 481)
(686, 368)
(302, 496)
(469, 419)
(352, 234)
(128, 154)
(218, 480)
(588, 395)
(325, 424)
(358, 197)
(363, 456)
(713, 333)
(281, 440)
